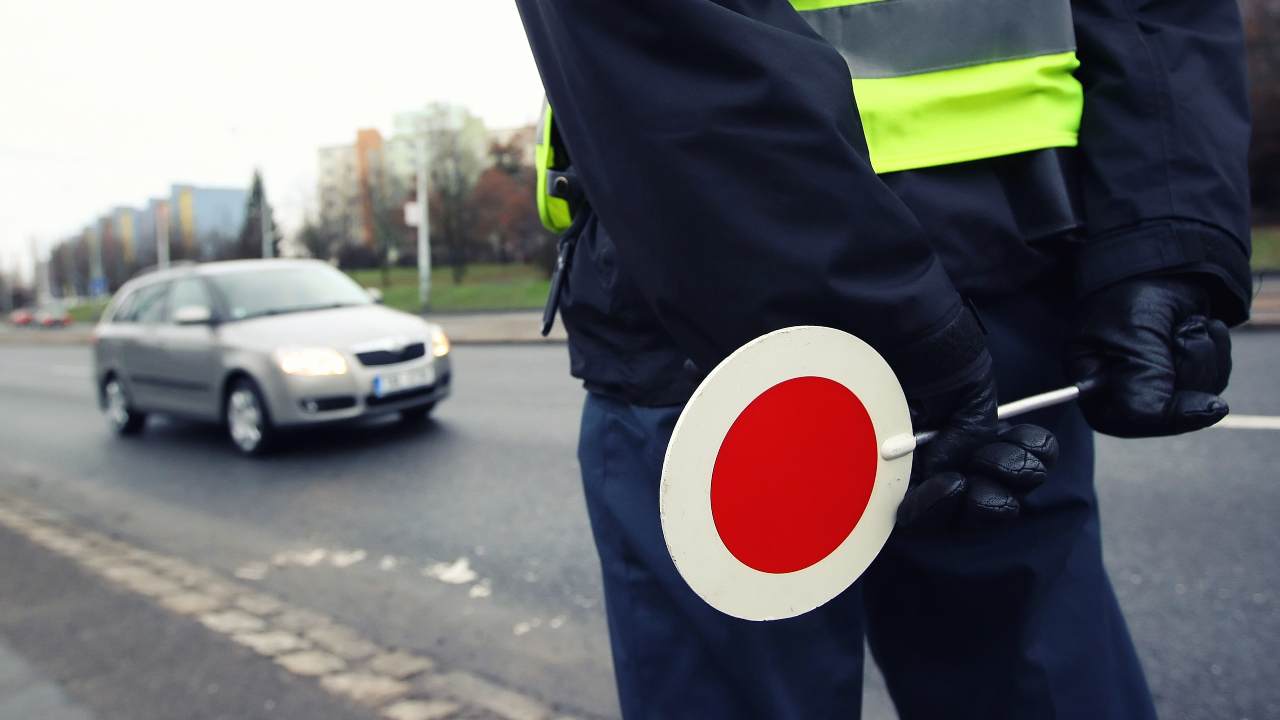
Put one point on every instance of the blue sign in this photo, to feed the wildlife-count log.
(98, 286)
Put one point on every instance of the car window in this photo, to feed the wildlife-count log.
(189, 292)
(119, 311)
(149, 306)
(286, 288)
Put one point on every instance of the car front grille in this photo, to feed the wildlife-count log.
(374, 358)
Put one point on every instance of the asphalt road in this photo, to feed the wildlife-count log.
(466, 539)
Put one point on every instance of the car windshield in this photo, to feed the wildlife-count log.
(294, 288)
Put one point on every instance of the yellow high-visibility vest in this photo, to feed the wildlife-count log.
(937, 82)
(549, 155)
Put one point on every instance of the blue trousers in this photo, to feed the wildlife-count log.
(1019, 622)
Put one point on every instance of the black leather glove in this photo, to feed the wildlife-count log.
(973, 473)
(1160, 360)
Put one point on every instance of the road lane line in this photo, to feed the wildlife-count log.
(81, 388)
(398, 684)
(1249, 422)
(82, 372)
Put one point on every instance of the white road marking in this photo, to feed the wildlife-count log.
(304, 558)
(458, 572)
(72, 371)
(347, 559)
(252, 571)
(1249, 422)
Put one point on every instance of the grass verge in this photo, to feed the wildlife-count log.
(1266, 248)
(88, 312)
(484, 287)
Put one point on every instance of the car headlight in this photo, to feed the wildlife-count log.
(439, 343)
(311, 362)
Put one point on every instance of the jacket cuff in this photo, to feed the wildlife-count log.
(1168, 247)
(952, 355)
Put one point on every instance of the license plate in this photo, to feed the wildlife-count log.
(391, 383)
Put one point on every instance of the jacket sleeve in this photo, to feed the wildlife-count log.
(1164, 143)
(719, 144)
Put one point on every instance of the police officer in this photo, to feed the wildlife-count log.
(1071, 170)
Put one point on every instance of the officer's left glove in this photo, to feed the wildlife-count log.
(1160, 359)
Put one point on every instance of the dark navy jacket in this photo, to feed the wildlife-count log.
(719, 143)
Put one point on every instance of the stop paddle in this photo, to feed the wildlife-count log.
(784, 472)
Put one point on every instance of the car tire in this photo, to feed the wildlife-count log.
(415, 415)
(247, 420)
(119, 411)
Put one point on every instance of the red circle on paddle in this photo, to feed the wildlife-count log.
(794, 475)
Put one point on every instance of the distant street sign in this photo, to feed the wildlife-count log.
(412, 214)
(98, 286)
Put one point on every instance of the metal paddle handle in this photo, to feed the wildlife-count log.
(898, 446)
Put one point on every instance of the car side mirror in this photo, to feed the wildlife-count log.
(374, 294)
(193, 315)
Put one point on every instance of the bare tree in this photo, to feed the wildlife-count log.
(1262, 32)
(458, 142)
(320, 241)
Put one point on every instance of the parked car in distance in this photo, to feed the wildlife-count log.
(259, 346)
(21, 317)
(52, 316)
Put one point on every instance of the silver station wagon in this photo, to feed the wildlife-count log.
(259, 346)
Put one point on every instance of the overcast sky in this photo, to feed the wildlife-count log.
(108, 102)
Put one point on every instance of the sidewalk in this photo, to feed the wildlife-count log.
(521, 326)
(134, 634)
(1266, 301)
(75, 645)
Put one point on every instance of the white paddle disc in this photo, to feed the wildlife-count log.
(775, 496)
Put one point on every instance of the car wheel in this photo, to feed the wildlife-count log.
(124, 420)
(248, 423)
(416, 414)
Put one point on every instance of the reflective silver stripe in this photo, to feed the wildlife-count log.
(541, 132)
(891, 38)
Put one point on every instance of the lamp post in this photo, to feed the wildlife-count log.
(424, 216)
(264, 218)
(162, 235)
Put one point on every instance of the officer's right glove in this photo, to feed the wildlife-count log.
(1161, 359)
(973, 473)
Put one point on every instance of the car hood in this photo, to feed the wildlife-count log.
(340, 328)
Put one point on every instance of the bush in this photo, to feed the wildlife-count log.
(546, 253)
(358, 256)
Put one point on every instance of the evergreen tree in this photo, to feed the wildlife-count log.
(249, 244)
